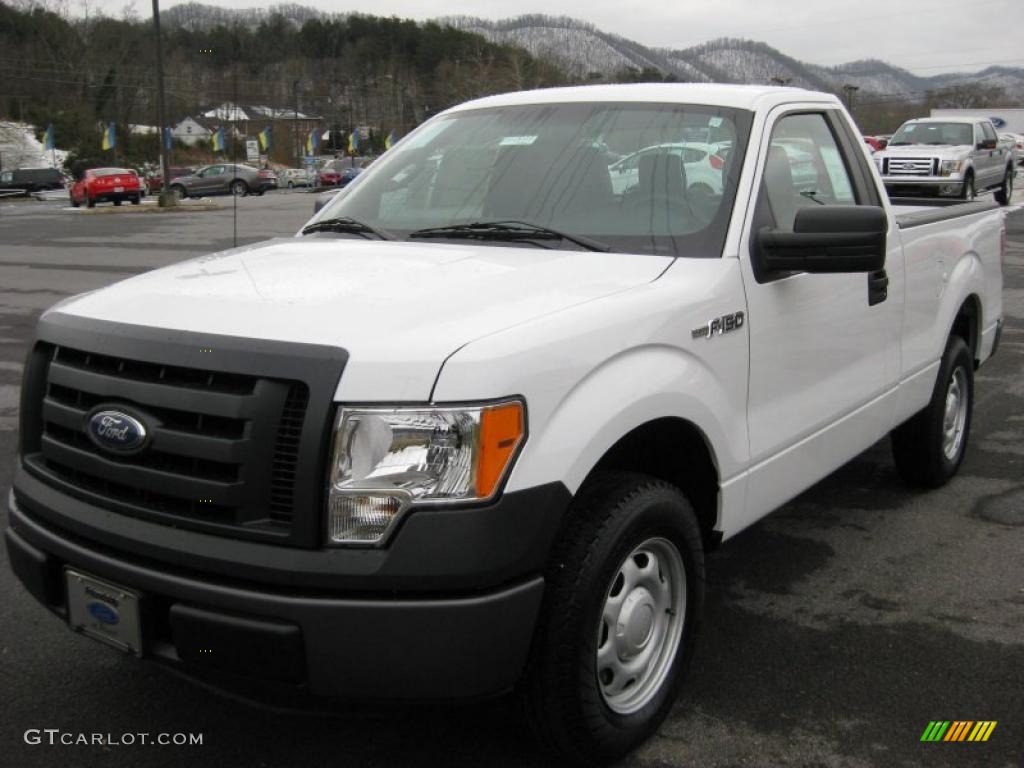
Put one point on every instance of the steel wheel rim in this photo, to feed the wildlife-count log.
(954, 418)
(641, 625)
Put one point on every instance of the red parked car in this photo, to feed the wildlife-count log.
(99, 185)
(154, 181)
(876, 142)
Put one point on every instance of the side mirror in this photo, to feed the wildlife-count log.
(987, 144)
(827, 239)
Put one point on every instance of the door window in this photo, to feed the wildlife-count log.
(804, 167)
(988, 132)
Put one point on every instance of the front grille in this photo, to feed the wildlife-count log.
(224, 447)
(911, 166)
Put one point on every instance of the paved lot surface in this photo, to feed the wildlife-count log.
(835, 629)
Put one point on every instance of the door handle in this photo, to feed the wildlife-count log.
(878, 287)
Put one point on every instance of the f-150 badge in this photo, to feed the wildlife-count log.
(719, 325)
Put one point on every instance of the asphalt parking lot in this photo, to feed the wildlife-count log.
(835, 629)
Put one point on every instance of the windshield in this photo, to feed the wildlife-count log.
(640, 178)
(100, 172)
(933, 133)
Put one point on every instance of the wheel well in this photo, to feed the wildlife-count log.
(966, 325)
(675, 451)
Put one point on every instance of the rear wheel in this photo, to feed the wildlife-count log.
(178, 191)
(623, 598)
(117, 201)
(89, 201)
(1005, 192)
(929, 448)
(291, 185)
(239, 188)
(137, 199)
(74, 202)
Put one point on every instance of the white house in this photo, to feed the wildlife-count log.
(190, 132)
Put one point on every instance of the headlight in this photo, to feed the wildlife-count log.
(949, 167)
(387, 459)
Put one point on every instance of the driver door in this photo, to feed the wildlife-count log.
(823, 349)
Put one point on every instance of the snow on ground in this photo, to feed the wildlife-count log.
(20, 147)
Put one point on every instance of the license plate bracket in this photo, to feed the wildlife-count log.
(105, 611)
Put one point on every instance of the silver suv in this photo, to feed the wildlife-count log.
(953, 157)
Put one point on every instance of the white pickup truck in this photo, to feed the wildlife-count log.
(474, 429)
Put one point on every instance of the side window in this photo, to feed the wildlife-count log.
(6, 176)
(804, 167)
(989, 132)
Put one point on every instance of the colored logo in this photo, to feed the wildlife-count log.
(958, 730)
(998, 122)
(103, 612)
(116, 431)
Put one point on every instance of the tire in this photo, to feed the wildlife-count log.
(573, 696)
(291, 185)
(118, 201)
(137, 199)
(1005, 191)
(239, 188)
(967, 191)
(90, 202)
(74, 202)
(178, 191)
(929, 448)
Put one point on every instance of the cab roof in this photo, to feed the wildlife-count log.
(749, 97)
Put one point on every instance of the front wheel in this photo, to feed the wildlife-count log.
(617, 628)
(967, 191)
(1005, 191)
(929, 448)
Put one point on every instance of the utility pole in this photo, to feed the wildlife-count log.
(166, 198)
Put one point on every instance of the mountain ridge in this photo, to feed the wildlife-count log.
(585, 52)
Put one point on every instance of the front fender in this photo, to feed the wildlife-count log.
(627, 391)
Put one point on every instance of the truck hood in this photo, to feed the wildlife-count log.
(941, 151)
(399, 309)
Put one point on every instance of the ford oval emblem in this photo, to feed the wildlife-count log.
(103, 612)
(116, 431)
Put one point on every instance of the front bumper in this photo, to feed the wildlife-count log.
(401, 623)
(912, 186)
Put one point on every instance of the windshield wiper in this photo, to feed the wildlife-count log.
(812, 194)
(347, 225)
(509, 229)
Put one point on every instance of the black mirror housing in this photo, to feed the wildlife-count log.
(827, 239)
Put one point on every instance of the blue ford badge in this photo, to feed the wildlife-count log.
(116, 431)
(103, 612)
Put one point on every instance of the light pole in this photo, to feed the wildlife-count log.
(166, 198)
(295, 124)
(848, 91)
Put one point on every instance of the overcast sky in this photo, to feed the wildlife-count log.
(925, 36)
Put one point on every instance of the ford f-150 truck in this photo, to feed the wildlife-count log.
(473, 429)
(946, 156)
